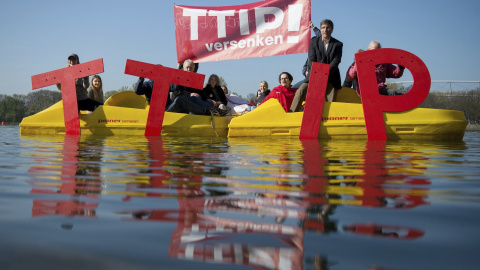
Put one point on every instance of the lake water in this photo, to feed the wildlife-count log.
(71, 202)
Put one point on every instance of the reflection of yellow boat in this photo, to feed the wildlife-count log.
(345, 120)
(124, 113)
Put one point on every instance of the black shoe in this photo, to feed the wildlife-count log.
(224, 112)
(213, 112)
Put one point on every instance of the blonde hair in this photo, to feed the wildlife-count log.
(264, 82)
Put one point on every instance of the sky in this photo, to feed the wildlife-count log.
(37, 36)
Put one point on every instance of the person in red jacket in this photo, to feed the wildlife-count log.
(382, 71)
(284, 92)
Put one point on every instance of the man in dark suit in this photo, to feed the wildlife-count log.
(327, 50)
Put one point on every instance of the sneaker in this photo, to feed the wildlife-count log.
(214, 112)
(224, 112)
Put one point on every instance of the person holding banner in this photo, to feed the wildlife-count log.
(284, 93)
(382, 71)
(324, 49)
(305, 69)
(315, 29)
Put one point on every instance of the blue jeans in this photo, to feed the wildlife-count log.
(184, 105)
(201, 102)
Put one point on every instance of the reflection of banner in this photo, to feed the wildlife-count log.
(266, 28)
(208, 238)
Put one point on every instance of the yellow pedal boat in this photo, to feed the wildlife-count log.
(345, 120)
(124, 113)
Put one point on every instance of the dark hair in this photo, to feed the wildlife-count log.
(226, 89)
(74, 56)
(326, 21)
(288, 74)
(217, 79)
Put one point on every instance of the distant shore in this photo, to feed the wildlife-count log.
(470, 127)
(473, 127)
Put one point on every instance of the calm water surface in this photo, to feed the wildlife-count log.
(212, 203)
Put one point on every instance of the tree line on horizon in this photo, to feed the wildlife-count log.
(17, 106)
(14, 108)
(466, 101)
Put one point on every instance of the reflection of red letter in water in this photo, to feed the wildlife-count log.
(66, 77)
(68, 185)
(398, 232)
(374, 104)
(314, 166)
(312, 115)
(163, 77)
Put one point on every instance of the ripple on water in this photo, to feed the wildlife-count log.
(261, 202)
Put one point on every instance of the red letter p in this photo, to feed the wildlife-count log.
(374, 104)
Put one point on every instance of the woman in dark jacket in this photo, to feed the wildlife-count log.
(214, 93)
(262, 93)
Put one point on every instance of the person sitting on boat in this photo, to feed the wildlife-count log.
(83, 102)
(262, 93)
(145, 87)
(236, 104)
(186, 100)
(214, 93)
(225, 89)
(95, 90)
(323, 49)
(382, 71)
(195, 68)
(284, 92)
(354, 83)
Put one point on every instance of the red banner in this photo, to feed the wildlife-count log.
(266, 28)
